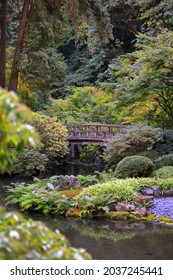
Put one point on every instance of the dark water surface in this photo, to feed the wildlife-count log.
(111, 240)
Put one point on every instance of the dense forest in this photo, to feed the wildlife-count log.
(103, 61)
(90, 61)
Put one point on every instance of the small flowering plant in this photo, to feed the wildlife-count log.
(66, 182)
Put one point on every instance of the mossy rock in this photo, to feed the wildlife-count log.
(117, 215)
(165, 219)
(79, 213)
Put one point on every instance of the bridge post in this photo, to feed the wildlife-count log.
(72, 151)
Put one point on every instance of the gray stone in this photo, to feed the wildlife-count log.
(111, 206)
(168, 193)
(141, 212)
(156, 191)
(147, 191)
(124, 207)
(144, 200)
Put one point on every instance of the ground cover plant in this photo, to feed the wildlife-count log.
(22, 239)
(44, 197)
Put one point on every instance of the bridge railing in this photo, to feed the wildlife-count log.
(99, 131)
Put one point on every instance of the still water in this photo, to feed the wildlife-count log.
(111, 240)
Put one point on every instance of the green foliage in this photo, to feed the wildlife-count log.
(165, 172)
(52, 148)
(22, 239)
(147, 72)
(134, 166)
(156, 14)
(165, 160)
(132, 140)
(30, 162)
(14, 135)
(86, 104)
(26, 95)
(41, 196)
(88, 153)
(87, 180)
(164, 183)
(45, 197)
(103, 193)
(165, 145)
(53, 135)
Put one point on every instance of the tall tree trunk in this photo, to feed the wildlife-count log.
(3, 43)
(15, 69)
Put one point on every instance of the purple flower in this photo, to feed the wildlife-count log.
(50, 187)
(35, 191)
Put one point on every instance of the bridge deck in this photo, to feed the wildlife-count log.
(92, 133)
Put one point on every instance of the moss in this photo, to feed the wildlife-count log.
(117, 215)
(71, 193)
(78, 213)
(165, 219)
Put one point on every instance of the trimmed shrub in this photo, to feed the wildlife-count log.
(165, 160)
(165, 172)
(129, 141)
(134, 166)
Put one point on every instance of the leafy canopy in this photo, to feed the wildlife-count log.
(14, 135)
(147, 74)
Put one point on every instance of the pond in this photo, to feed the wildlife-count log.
(110, 240)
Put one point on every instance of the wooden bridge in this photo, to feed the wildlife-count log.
(92, 134)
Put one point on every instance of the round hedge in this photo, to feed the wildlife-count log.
(134, 166)
(165, 172)
(165, 160)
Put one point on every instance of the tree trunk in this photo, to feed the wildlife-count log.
(15, 69)
(3, 43)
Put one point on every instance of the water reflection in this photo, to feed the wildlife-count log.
(112, 240)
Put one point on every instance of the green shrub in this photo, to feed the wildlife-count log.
(165, 160)
(87, 180)
(14, 134)
(51, 150)
(165, 172)
(165, 145)
(53, 135)
(134, 166)
(85, 104)
(30, 162)
(129, 141)
(22, 239)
